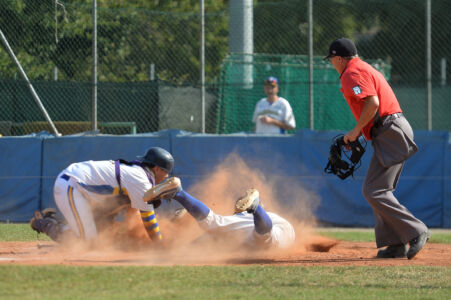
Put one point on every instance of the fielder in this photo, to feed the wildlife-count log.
(250, 226)
(91, 194)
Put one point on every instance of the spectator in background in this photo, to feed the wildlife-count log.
(273, 114)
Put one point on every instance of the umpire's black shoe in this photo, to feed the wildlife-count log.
(394, 251)
(417, 244)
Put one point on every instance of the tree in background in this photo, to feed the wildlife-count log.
(134, 34)
(131, 36)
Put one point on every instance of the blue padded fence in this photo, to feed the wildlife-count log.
(31, 164)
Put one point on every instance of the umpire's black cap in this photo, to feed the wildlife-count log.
(342, 47)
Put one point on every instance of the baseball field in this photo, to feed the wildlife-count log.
(331, 263)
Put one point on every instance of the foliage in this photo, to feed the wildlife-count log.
(133, 34)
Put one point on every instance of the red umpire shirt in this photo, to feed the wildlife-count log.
(360, 80)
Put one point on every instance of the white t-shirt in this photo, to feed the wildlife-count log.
(99, 179)
(279, 110)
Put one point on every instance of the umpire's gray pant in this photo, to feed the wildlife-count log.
(394, 224)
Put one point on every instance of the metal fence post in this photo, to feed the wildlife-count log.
(30, 86)
(241, 38)
(428, 65)
(202, 61)
(94, 65)
(310, 64)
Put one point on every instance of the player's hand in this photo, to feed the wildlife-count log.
(351, 136)
(266, 120)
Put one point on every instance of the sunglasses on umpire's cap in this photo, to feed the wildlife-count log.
(271, 80)
(342, 47)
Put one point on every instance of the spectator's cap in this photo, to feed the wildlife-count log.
(342, 47)
(271, 80)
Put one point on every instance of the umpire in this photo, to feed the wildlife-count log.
(379, 117)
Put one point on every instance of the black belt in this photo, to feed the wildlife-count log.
(378, 122)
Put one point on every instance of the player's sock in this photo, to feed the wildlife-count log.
(262, 221)
(195, 207)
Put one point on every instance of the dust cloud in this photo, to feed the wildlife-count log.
(184, 242)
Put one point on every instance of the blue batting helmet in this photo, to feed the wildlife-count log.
(157, 156)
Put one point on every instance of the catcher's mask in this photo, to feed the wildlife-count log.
(340, 162)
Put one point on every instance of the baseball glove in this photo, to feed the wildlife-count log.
(344, 159)
(165, 190)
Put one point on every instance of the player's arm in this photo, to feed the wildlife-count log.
(286, 123)
(369, 110)
(281, 124)
(150, 222)
(255, 117)
(136, 185)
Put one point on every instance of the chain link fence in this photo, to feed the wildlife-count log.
(395, 30)
(149, 66)
(293, 73)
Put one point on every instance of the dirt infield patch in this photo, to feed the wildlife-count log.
(317, 253)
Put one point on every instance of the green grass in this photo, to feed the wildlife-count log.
(367, 235)
(10, 232)
(224, 282)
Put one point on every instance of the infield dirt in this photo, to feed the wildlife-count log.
(341, 254)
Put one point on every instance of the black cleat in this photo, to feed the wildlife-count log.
(417, 244)
(393, 251)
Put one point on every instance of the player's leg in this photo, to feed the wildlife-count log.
(212, 222)
(282, 234)
(46, 221)
(208, 220)
(395, 226)
(194, 206)
(270, 230)
(262, 222)
(251, 203)
(75, 208)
